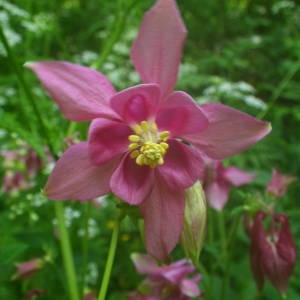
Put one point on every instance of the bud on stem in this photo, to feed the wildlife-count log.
(194, 227)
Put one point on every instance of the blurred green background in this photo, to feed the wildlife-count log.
(243, 53)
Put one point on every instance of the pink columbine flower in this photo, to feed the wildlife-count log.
(21, 167)
(13, 182)
(272, 252)
(28, 268)
(177, 281)
(218, 180)
(279, 183)
(145, 142)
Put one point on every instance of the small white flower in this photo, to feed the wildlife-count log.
(255, 102)
(92, 274)
(255, 39)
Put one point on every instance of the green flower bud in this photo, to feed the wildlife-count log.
(194, 227)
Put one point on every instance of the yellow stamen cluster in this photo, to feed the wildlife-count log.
(148, 146)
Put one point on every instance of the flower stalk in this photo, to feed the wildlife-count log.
(110, 260)
(85, 244)
(116, 31)
(66, 252)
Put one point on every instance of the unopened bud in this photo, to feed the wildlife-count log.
(194, 226)
(28, 268)
(272, 252)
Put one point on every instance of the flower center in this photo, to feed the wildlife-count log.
(148, 146)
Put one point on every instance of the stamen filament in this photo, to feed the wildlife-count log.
(144, 125)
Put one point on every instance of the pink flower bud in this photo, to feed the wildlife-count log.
(272, 252)
(28, 268)
(279, 183)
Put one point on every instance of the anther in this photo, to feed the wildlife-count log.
(134, 154)
(134, 138)
(164, 145)
(137, 129)
(164, 135)
(140, 160)
(160, 161)
(133, 146)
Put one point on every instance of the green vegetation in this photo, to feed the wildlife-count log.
(241, 53)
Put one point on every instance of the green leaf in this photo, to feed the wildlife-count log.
(9, 253)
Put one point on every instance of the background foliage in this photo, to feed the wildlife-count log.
(243, 53)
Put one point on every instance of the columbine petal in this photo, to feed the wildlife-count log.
(236, 176)
(217, 194)
(256, 267)
(157, 50)
(179, 171)
(131, 182)
(176, 274)
(279, 183)
(163, 216)
(279, 262)
(75, 177)
(145, 264)
(190, 288)
(81, 93)
(230, 131)
(107, 139)
(137, 103)
(181, 115)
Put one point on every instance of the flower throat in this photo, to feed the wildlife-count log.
(148, 146)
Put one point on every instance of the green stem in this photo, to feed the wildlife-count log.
(222, 233)
(277, 92)
(66, 252)
(210, 231)
(233, 230)
(224, 255)
(109, 262)
(206, 283)
(117, 29)
(71, 128)
(85, 244)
